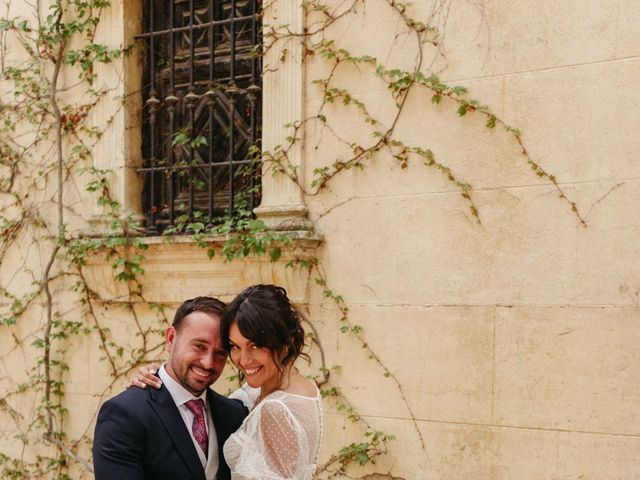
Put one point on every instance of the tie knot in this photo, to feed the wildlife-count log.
(196, 406)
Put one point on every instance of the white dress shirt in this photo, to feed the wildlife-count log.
(180, 396)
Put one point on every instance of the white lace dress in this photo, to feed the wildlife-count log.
(279, 439)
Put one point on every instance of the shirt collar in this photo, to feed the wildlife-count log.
(179, 394)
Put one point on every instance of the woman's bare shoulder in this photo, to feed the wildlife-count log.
(301, 386)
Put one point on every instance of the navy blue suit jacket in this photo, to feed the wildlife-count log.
(140, 435)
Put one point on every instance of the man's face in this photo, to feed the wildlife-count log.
(196, 356)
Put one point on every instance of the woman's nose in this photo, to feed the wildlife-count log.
(245, 356)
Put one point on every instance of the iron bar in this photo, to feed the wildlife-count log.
(215, 23)
(246, 161)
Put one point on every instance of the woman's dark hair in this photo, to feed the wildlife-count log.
(265, 316)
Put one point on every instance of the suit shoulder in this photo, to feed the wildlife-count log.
(132, 400)
(131, 396)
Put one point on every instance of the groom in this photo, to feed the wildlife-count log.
(176, 432)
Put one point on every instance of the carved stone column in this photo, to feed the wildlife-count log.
(119, 149)
(282, 206)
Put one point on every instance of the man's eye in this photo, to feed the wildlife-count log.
(199, 347)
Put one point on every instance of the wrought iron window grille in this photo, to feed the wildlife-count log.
(201, 111)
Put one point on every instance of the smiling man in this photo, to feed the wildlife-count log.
(176, 432)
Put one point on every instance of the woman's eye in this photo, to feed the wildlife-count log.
(255, 347)
(233, 347)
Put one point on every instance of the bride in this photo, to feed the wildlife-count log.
(280, 438)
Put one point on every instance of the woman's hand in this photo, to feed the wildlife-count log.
(146, 376)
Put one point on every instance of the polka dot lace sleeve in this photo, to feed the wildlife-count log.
(279, 440)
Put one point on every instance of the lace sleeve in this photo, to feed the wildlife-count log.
(275, 445)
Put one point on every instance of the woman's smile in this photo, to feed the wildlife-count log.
(257, 363)
(251, 371)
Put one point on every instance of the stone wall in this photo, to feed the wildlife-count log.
(517, 340)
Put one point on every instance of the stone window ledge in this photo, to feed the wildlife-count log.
(180, 269)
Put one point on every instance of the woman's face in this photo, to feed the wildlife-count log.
(255, 362)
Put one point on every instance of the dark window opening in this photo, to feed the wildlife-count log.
(201, 111)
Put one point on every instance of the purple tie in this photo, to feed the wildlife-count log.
(198, 426)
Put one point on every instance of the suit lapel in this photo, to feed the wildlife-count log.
(162, 403)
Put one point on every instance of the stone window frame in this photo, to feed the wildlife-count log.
(282, 205)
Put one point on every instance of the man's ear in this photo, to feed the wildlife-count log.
(170, 337)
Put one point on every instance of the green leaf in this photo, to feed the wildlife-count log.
(196, 227)
(458, 90)
(275, 254)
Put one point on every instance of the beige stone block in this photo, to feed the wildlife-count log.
(627, 18)
(442, 358)
(100, 277)
(598, 457)
(474, 452)
(18, 417)
(78, 470)
(81, 377)
(18, 350)
(453, 451)
(323, 323)
(568, 368)
(25, 262)
(91, 370)
(503, 37)
(607, 269)
(574, 124)
(523, 251)
(354, 33)
(79, 425)
(475, 154)
(490, 38)
(346, 125)
(359, 80)
(82, 413)
(334, 435)
(339, 432)
(529, 248)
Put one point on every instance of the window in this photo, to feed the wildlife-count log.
(201, 110)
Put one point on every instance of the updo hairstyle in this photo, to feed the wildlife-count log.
(264, 315)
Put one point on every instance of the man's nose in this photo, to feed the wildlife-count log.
(208, 360)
